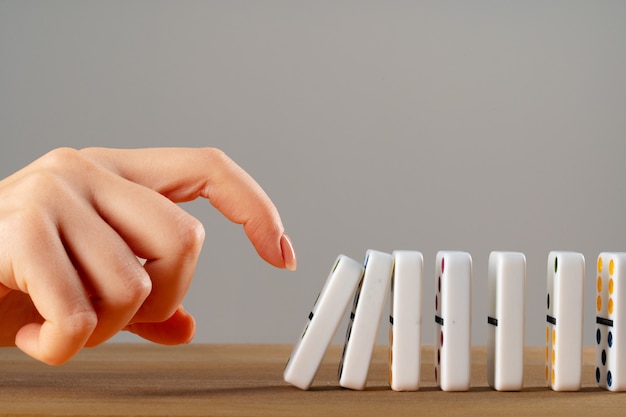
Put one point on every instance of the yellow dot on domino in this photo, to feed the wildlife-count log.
(599, 303)
(610, 306)
(547, 354)
(599, 265)
(611, 286)
(599, 283)
(611, 267)
(553, 376)
(553, 337)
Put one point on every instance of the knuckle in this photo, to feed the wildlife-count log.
(72, 162)
(214, 154)
(61, 157)
(43, 183)
(81, 323)
(191, 234)
(29, 227)
(138, 286)
(219, 162)
(31, 218)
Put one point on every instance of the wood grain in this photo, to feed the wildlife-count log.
(246, 380)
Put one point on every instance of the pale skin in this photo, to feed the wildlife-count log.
(74, 224)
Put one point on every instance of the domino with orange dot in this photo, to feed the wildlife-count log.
(505, 337)
(610, 321)
(564, 320)
(405, 321)
(453, 320)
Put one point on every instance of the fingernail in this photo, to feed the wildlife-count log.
(289, 255)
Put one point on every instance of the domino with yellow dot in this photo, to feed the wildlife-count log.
(610, 334)
(564, 320)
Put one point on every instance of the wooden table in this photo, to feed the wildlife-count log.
(246, 380)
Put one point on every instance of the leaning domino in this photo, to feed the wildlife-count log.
(365, 320)
(323, 322)
(453, 320)
(564, 327)
(611, 321)
(405, 321)
(505, 338)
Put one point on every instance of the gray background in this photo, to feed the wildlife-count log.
(479, 126)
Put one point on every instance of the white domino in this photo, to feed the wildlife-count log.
(365, 320)
(505, 338)
(610, 334)
(564, 327)
(453, 320)
(324, 319)
(405, 321)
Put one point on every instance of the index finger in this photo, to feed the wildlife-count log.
(184, 174)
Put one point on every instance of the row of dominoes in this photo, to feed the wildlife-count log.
(368, 285)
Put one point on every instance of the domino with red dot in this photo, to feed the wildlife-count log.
(453, 320)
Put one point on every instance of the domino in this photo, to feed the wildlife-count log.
(365, 320)
(323, 322)
(505, 337)
(405, 321)
(610, 321)
(453, 320)
(566, 275)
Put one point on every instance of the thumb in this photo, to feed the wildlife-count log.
(178, 329)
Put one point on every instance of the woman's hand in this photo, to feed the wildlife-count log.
(73, 224)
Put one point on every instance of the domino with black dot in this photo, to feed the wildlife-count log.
(610, 337)
(453, 320)
(505, 337)
(564, 320)
(405, 321)
(323, 321)
(365, 320)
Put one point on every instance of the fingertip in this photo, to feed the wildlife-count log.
(28, 340)
(275, 248)
(288, 253)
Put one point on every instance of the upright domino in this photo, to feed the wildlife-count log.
(564, 328)
(323, 322)
(611, 321)
(405, 321)
(453, 320)
(365, 320)
(505, 343)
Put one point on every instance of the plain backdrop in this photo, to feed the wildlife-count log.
(427, 125)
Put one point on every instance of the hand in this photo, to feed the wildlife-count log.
(73, 224)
